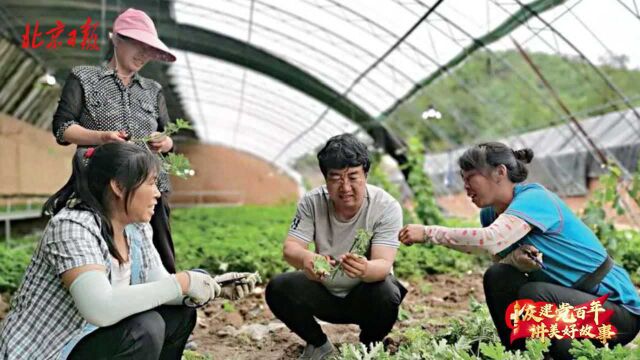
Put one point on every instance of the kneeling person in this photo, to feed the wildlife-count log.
(363, 291)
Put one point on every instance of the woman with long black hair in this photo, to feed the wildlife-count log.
(95, 287)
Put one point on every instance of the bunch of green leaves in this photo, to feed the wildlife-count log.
(321, 266)
(360, 352)
(426, 208)
(476, 328)
(14, 260)
(193, 355)
(586, 350)
(360, 246)
(535, 350)
(169, 129)
(419, 345)
(172, 163)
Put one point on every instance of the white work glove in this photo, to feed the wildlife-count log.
(236, 285)
(202, 287)
(525, 258)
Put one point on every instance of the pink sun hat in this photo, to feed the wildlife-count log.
(137, 25)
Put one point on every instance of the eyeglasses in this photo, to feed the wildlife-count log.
(336, 179)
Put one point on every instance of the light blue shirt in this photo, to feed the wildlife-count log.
(570, 248)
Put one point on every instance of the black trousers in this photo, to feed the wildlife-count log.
(296, 300)
(504, 284)
(160, 333)
(162, 239)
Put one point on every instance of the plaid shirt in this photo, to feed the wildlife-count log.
(43, 316)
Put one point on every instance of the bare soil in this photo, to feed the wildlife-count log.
(247, 330)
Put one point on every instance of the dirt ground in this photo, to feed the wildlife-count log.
(247, 330)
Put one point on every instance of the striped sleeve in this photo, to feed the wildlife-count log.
(501, 234)
(386, 229)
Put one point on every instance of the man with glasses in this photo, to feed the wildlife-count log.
(364, 291)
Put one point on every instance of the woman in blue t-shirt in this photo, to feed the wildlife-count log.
(520, 223)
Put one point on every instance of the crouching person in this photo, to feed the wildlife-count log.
(364, 291)
(96, 287)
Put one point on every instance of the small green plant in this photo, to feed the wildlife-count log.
(403, 314)
(172, 163)
(535, 350)
(321, 266)
(360, 246)
(228, 306)
(192, 355)
(425, 288)
(586, 350)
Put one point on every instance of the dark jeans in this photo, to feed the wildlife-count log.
(162, 239)
(160, 333)
(295, 300)
(504, 284)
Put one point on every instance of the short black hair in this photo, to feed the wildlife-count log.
(343, 151)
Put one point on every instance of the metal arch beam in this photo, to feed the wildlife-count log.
(208, 72)
(497, 33)
(217, 45)
(273, 138)
(313, 49)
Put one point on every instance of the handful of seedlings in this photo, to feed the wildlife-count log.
(321, 265)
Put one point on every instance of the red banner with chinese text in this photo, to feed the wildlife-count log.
(529, 319)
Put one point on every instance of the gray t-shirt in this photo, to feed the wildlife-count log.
(315, 221)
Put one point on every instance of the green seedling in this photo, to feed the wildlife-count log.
(172, 163)
(321, 266)
(359, 247)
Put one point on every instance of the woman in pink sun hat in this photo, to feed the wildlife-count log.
(113, 103)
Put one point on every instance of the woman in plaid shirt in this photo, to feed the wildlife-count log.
(95, 287)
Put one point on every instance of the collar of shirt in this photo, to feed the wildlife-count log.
(107, 71)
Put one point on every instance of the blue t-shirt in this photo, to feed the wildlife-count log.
(570, 248)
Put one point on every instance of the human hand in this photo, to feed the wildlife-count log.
(160, 142)
(411, 234)
(354, 266)
(526, 258)
(202, 287)
(236, 285)
(311, 271)
(107, 137)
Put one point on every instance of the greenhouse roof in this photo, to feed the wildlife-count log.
(277, 78)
